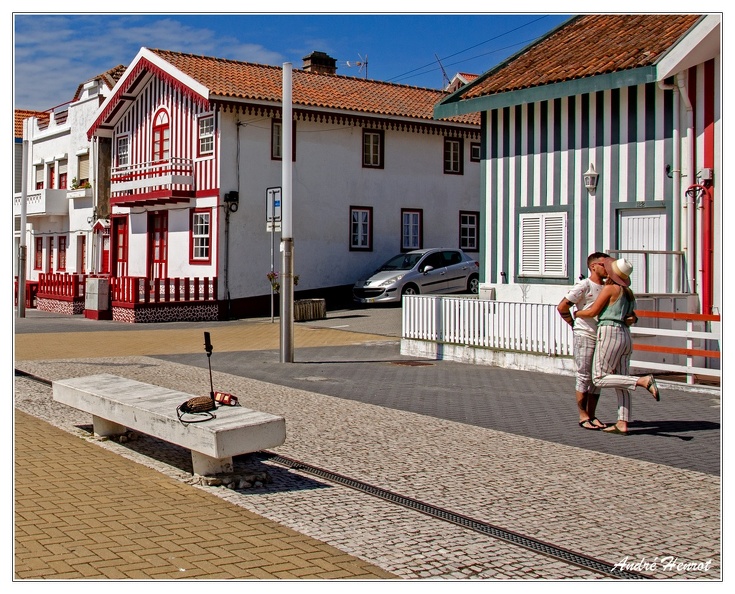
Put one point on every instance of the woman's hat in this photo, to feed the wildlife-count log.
(619, 271)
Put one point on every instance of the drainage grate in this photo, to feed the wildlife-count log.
(412, 363)
(464, 521)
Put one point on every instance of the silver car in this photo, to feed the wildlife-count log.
(435, 270)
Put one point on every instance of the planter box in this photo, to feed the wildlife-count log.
(309, 309)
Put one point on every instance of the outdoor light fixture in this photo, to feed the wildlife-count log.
(590, 179)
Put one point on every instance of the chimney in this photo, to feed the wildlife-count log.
(320, 62)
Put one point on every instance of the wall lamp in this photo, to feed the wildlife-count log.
(590, 179)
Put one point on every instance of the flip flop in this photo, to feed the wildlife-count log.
(588, 422)
(614, 430)
(601, 424)
(652, 387)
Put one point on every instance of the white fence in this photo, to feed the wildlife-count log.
(533, 330)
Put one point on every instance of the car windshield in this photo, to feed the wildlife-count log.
(401, 262)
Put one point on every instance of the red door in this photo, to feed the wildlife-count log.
(120, 246)
(157, 244)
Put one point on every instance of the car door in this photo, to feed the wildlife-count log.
(458, 270)
(434, 280)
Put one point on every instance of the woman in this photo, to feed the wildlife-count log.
(614, 345)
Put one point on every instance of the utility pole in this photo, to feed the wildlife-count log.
(286, 220)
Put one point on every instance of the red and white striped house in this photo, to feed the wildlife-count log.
(190, 147)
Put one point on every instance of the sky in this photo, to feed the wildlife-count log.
(54, 52)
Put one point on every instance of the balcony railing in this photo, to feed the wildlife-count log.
(146, 177)
(43, 202)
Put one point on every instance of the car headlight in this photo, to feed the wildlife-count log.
(390, 281)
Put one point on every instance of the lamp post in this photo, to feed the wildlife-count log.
(286, 224)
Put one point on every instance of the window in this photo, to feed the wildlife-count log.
(83, 168)
(372, 149)
(63, 167)
(123, 151)
(51, 176)
(50, 254)
(475, 152)
(201, 236)
(412, 229)
(543, 244)
(39, 177)
(469, 226)
(161, 137)
(206, 135)
(453, 162)
(277, 143)
(62, 252)
(361, 228)
(38, 255)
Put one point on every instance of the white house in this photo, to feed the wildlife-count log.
(195, 150)
(63, 201)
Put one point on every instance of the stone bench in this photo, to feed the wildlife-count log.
(118, 404)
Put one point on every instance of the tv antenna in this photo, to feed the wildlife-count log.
(360, 63)
(445, 78)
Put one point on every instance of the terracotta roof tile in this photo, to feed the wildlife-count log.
(109, 78)
(23, 114)
(586, 46)
(258, 82)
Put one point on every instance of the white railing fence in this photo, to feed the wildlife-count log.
(537, 329)
(525, 327)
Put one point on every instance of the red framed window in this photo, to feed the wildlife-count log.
(51, 176)
(38, 254)
(200, 236)
(372, 149)
(122, 154)
(454, 156)
(62, 253)
(412, 229)
(361, 228)
(161, 137)
(50, 255)
(39, 177)
(206, 136)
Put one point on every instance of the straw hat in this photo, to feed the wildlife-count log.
(619, 271)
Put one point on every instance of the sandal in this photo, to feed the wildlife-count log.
(614, 430)
(594, 420)
(652, 387)
(584, 425)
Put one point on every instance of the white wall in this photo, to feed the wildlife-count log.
(328, 178)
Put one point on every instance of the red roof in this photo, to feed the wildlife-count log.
(258, 82)
(23, 114)
(587, 46)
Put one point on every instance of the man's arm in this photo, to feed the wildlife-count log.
(564, 309)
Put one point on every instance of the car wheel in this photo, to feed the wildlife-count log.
(410, 290)
(473, 285)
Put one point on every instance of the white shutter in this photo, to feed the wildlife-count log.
(83, 167)
(555, 244)
(544, 244)
(530, 245)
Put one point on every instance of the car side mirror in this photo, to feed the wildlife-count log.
(428, 268)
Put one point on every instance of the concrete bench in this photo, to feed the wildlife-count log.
(118, 404)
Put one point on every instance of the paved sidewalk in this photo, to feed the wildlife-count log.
(578, 497)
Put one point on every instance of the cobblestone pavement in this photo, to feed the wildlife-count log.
(608, 506)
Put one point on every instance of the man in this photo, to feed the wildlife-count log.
(583, 295)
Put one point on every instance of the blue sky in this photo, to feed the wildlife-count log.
(54, 52)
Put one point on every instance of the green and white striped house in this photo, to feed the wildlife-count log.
(633, 100)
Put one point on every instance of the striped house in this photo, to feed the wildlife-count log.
(604, 135)
(194, 151)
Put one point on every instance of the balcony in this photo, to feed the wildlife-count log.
(158, 182)
(43, 202)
